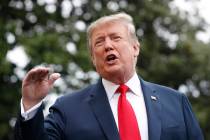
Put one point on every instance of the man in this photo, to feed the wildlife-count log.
(103, 111)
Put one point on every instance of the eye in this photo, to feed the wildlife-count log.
(116, 38)
(98, 43)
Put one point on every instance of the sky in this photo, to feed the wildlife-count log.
(203, 10)
(190, 5)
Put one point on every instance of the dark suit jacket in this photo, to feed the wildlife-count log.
(87, 115)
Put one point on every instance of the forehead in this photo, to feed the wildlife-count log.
(107, 28)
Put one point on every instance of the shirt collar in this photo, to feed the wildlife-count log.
(133, 84)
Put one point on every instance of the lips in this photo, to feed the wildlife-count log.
(111, 58)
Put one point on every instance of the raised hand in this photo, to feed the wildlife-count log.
(36, 85)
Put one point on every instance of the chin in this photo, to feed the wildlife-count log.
(110, 70)
(113, 68)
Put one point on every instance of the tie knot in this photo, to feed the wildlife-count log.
(122, 89)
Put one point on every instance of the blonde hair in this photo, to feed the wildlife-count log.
(122, 17)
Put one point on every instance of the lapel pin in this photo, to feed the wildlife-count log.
(154, 98)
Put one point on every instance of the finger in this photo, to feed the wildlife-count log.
(38, 73)
(53, 77)
(42, 75)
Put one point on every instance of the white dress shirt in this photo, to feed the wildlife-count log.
(29, 114)
(136, 99)
(134, 96)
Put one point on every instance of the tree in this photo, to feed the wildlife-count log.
(53, 33)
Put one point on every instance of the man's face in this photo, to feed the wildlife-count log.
(113, 51)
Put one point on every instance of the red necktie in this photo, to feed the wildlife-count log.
(128, 126)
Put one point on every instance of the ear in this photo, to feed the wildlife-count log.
(93, 60)
(136, 47)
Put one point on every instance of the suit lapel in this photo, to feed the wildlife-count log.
(153, 106)
(102, 110)
(100, 106)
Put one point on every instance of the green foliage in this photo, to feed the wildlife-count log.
(170, 54)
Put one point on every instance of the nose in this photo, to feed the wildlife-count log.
(108, 44)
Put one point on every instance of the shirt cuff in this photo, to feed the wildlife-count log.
(29, 114)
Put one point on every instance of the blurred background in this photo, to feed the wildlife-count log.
(174, 36)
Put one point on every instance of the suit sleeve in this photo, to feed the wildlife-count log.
(39, 128)
(193, 129)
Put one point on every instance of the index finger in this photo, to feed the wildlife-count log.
(37, 73)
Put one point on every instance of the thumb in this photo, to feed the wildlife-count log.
(53, 77)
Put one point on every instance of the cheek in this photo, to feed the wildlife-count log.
(98, 53)
(97, 60)
(127, 56)
(125, 52)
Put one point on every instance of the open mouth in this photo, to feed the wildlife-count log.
(111, 57)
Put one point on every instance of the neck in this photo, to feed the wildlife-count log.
(120, 79)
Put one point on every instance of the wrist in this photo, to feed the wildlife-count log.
(28, 104)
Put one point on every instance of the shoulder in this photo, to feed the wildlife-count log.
(70, 103)
(168, 97)
(162, 90)
(75, 97)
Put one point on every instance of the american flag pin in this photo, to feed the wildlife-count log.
(154, 98)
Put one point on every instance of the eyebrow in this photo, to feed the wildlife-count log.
(102, 36)
(99, 38)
